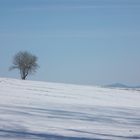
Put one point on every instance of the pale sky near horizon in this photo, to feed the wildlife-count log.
(76, 41)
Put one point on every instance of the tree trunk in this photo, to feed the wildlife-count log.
(23, 78)
(24, 75)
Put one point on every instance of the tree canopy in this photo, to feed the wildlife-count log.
(26, 63)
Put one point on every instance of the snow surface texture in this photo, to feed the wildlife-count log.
(32, 110)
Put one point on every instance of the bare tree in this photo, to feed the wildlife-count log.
(26, 63)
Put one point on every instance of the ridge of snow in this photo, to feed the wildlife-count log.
(41, 110)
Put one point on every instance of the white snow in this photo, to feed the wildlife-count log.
(32, 110)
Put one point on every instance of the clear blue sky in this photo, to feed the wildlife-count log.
(76, 41)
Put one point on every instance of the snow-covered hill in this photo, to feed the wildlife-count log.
(32, 110)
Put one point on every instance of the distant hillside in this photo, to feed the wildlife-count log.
(120, 85)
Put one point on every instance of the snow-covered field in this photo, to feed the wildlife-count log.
(31, 110)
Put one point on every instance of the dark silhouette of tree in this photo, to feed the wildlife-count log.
(26, 63)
